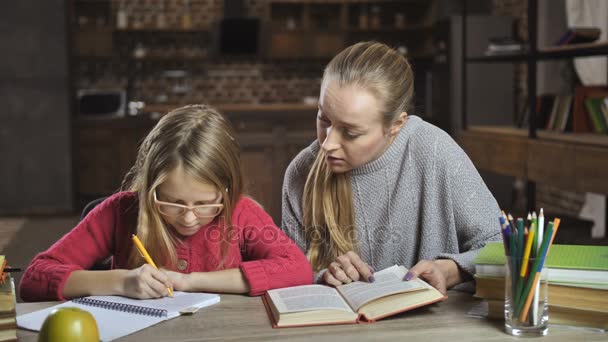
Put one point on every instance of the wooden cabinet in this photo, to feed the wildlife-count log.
(270, 136)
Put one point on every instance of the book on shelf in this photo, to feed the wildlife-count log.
(570, 296)
(594, 108)
(575, 265)
(582, 120)
(563, 116)
(118, 316)
(558, 315)
(8, 322)
(556, 113)
(544, 107)
(350, 303)
(605, 108)
(579, 35)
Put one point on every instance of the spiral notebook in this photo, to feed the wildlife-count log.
(120, 316)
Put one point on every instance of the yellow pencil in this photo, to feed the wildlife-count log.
(524, 263)
(144, 253)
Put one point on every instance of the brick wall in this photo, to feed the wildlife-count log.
(205, 75)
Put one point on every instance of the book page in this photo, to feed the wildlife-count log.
(112, 324)
(307, 298)
(388, 281)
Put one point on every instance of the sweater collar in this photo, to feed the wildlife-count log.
(394, 152)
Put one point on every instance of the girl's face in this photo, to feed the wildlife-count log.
(181, 188)
(349, 127)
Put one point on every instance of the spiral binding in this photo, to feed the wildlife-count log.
(130, 308)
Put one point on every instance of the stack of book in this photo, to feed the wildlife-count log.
(8, 321)
(578, 283)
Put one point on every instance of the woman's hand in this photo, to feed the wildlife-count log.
(180, 281)
(347, 268)
(441, 274)
(145, 282)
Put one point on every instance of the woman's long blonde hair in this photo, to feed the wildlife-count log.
(327, 199)
(201, 140)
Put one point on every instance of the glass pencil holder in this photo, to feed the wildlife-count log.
(526, 297)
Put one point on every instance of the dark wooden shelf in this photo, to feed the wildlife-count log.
(520, 57)
(574, 50)
(567, 137)
(554, 52)
(575, 138)
(144, 59)
(306, 31)
(166, 31)
(389, 30)
(509, 151)
(325, 2)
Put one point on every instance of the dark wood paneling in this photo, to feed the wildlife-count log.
(591, 169)
(502, 154)
(568, 161)
(552, 163)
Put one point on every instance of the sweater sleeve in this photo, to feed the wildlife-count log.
(475, 212)
(273, 260)
(89, 242)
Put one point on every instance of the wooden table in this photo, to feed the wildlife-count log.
(241, 317)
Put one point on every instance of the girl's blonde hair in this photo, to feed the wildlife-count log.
(201, 140)
(327, 199)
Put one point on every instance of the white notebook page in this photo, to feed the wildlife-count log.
(113, 324)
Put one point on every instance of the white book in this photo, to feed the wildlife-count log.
(115, 314)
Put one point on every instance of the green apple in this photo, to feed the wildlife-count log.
(69, 324)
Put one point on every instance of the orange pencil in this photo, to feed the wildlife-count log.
(146, 256)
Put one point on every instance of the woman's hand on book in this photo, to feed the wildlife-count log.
(146, 282)
(347, 268)
(441, 274)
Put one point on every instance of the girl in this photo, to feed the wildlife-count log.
(380, 186)
(186, 206)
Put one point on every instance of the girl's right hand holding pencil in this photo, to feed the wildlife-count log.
(145, 282)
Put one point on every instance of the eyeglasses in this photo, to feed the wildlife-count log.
(200, 211)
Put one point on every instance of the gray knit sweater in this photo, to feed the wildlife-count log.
(422, 199)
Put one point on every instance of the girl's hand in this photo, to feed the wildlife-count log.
(441, 274)
(347, 268)
(180, 281)
(145, 282)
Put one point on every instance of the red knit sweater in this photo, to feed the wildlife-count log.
(265, 255)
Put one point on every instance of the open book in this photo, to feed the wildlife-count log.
(349, 303)
(120, 316)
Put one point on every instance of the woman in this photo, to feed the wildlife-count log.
(380, 186)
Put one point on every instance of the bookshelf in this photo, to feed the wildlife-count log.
(554, 52)
(322, 28)
(570, 161)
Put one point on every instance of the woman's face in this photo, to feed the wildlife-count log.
(349, 127)
(181, 188)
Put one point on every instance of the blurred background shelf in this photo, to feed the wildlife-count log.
(575, 162)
